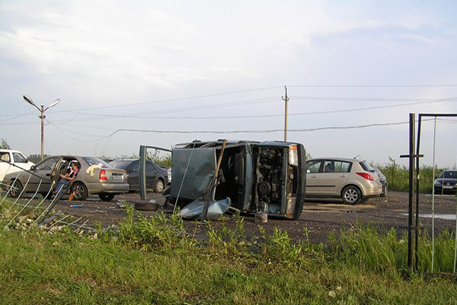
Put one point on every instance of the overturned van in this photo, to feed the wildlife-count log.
(255, 176)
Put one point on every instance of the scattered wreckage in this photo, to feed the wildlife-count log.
(252, 177)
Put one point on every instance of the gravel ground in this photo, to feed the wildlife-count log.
(320, 217)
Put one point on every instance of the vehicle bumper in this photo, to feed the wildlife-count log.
(446, 189)
(372, 190)
(119, 188)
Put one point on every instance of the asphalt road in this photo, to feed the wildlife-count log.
(320, 217)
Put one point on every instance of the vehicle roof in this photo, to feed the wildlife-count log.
(218, 143)
(9, 150)
(336, 158)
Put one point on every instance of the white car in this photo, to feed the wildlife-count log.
(9, 158)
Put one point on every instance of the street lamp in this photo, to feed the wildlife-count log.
(42, 117)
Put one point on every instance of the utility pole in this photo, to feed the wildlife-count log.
(286, 100)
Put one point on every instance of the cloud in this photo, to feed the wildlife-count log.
(376, 33)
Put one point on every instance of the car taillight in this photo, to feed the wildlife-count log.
(293, 155)
(366, 176)
(102, 175)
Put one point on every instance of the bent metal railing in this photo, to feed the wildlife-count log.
(37, 211)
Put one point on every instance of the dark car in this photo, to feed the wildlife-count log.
(446, 182)
(254, 176)
(156, 176)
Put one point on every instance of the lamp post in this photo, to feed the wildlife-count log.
(41, 109)
(286, 100)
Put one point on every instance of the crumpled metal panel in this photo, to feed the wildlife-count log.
(215, 209)
(192, 172)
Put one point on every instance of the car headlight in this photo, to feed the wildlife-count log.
(437, 182)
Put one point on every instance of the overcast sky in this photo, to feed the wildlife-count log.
(166, 72)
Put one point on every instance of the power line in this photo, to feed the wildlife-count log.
(280, 115)
(176, 99)
(370, 86)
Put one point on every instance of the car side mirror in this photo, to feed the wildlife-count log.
(33, 167)
(308, 171)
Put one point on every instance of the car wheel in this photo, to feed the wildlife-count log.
(80, 191)
(384, 191)
(351, 195)
(106, 196)
(15, 188)
(158, 186)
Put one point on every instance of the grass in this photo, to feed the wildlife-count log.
(156, 261)
(398, 177)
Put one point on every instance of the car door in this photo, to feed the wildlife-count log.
(133, 172)
(42, 172)
(334, 176)
(313, 172)
(5, 159)
(152, 171)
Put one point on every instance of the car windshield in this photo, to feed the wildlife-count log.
(449, 174)
(366, 166)
(122, 164)
(96, 161)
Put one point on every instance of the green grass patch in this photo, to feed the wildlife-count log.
(157, 261)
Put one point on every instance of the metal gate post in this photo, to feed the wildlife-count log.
(412, 122)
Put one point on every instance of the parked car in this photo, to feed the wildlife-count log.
(349, 179)
(156, 176)
(94, 177)
(255, 176)
(383, 181)
(446, 182)
(9, 158)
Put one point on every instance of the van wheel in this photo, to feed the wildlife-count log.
(106, 196)
(16, 188)
(80, 191)
(351, 195)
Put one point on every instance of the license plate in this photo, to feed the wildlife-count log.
(117, 177)
(448, 187)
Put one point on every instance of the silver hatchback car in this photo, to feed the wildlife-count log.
(351, 180)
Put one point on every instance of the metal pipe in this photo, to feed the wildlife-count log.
(433, 199)
(412, 122)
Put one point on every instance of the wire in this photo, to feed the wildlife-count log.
(176, 99)
(252, 131)
(370, 86)
(280, 115)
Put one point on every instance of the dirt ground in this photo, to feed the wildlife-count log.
(320, 217)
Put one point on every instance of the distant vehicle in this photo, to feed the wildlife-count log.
(94, 177)
(446, 182)
(255, 176)
(383, 181)
(351, 180)
(156, 176)
(9, 158)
